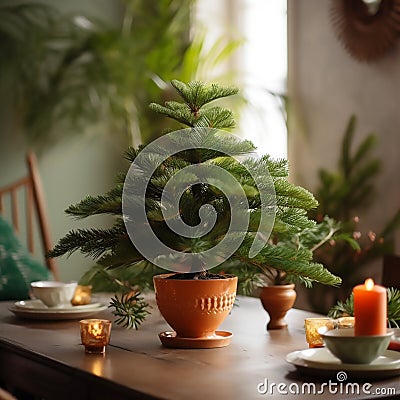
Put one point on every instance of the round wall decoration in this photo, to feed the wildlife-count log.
(368, 29)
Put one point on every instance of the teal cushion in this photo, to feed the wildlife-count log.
(17, 267)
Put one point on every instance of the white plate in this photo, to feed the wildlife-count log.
(386, 369)
(322, 357)
(57, 313)
(38, 305)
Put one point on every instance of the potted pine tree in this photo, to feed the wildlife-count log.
(200, 203)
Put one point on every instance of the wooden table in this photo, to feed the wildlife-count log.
(47, 359)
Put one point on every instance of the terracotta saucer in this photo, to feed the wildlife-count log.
(219, 339)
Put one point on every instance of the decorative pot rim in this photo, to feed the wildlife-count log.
(164, 276)
(284, 285)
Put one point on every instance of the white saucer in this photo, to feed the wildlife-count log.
(321, 357)
(321, 364)
(30, 311)
(38, 305)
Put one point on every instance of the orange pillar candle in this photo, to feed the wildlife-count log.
(370, 309)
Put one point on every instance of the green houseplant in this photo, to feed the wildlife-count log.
(254, 187)
(65, 71)
(62, 70)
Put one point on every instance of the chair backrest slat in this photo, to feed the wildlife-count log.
(14, 208)
(29, 218)
(34, 201)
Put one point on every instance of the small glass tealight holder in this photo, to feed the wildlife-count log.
(95, 334)
(313, 325)
(345, 322)
(82, 295)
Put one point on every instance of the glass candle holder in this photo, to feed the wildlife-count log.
(345, 322)
(82, 295)
(312, 325)
(95, 334)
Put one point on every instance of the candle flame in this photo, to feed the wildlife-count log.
(369, 284)
(96, 329)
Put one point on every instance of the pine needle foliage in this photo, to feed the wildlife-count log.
(130, 310)
(195, 96)
(287, 255)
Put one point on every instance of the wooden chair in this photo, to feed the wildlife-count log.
(34, 202)
(391, 271)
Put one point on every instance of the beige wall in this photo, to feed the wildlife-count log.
(325, 87)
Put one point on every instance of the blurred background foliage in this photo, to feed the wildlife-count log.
(69, 70)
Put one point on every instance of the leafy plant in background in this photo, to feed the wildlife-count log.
(341, 195)
(138, 58)
(71, 68)
(68, 70)
(43, 67)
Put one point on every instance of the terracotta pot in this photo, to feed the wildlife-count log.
(277, 301)
(194, 308)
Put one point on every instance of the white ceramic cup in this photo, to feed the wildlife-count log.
(54, 294)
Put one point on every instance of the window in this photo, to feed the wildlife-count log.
(262, 64)
(265, 71)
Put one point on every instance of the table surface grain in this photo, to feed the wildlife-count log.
(136, 365)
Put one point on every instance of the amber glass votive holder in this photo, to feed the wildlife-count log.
(82, 295)
(345, 322)
(95, 335)
(313, 325)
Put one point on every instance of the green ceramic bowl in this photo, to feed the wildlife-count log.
(352, 349)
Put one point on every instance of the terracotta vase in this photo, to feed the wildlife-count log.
(277, 301)
(194, 308)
